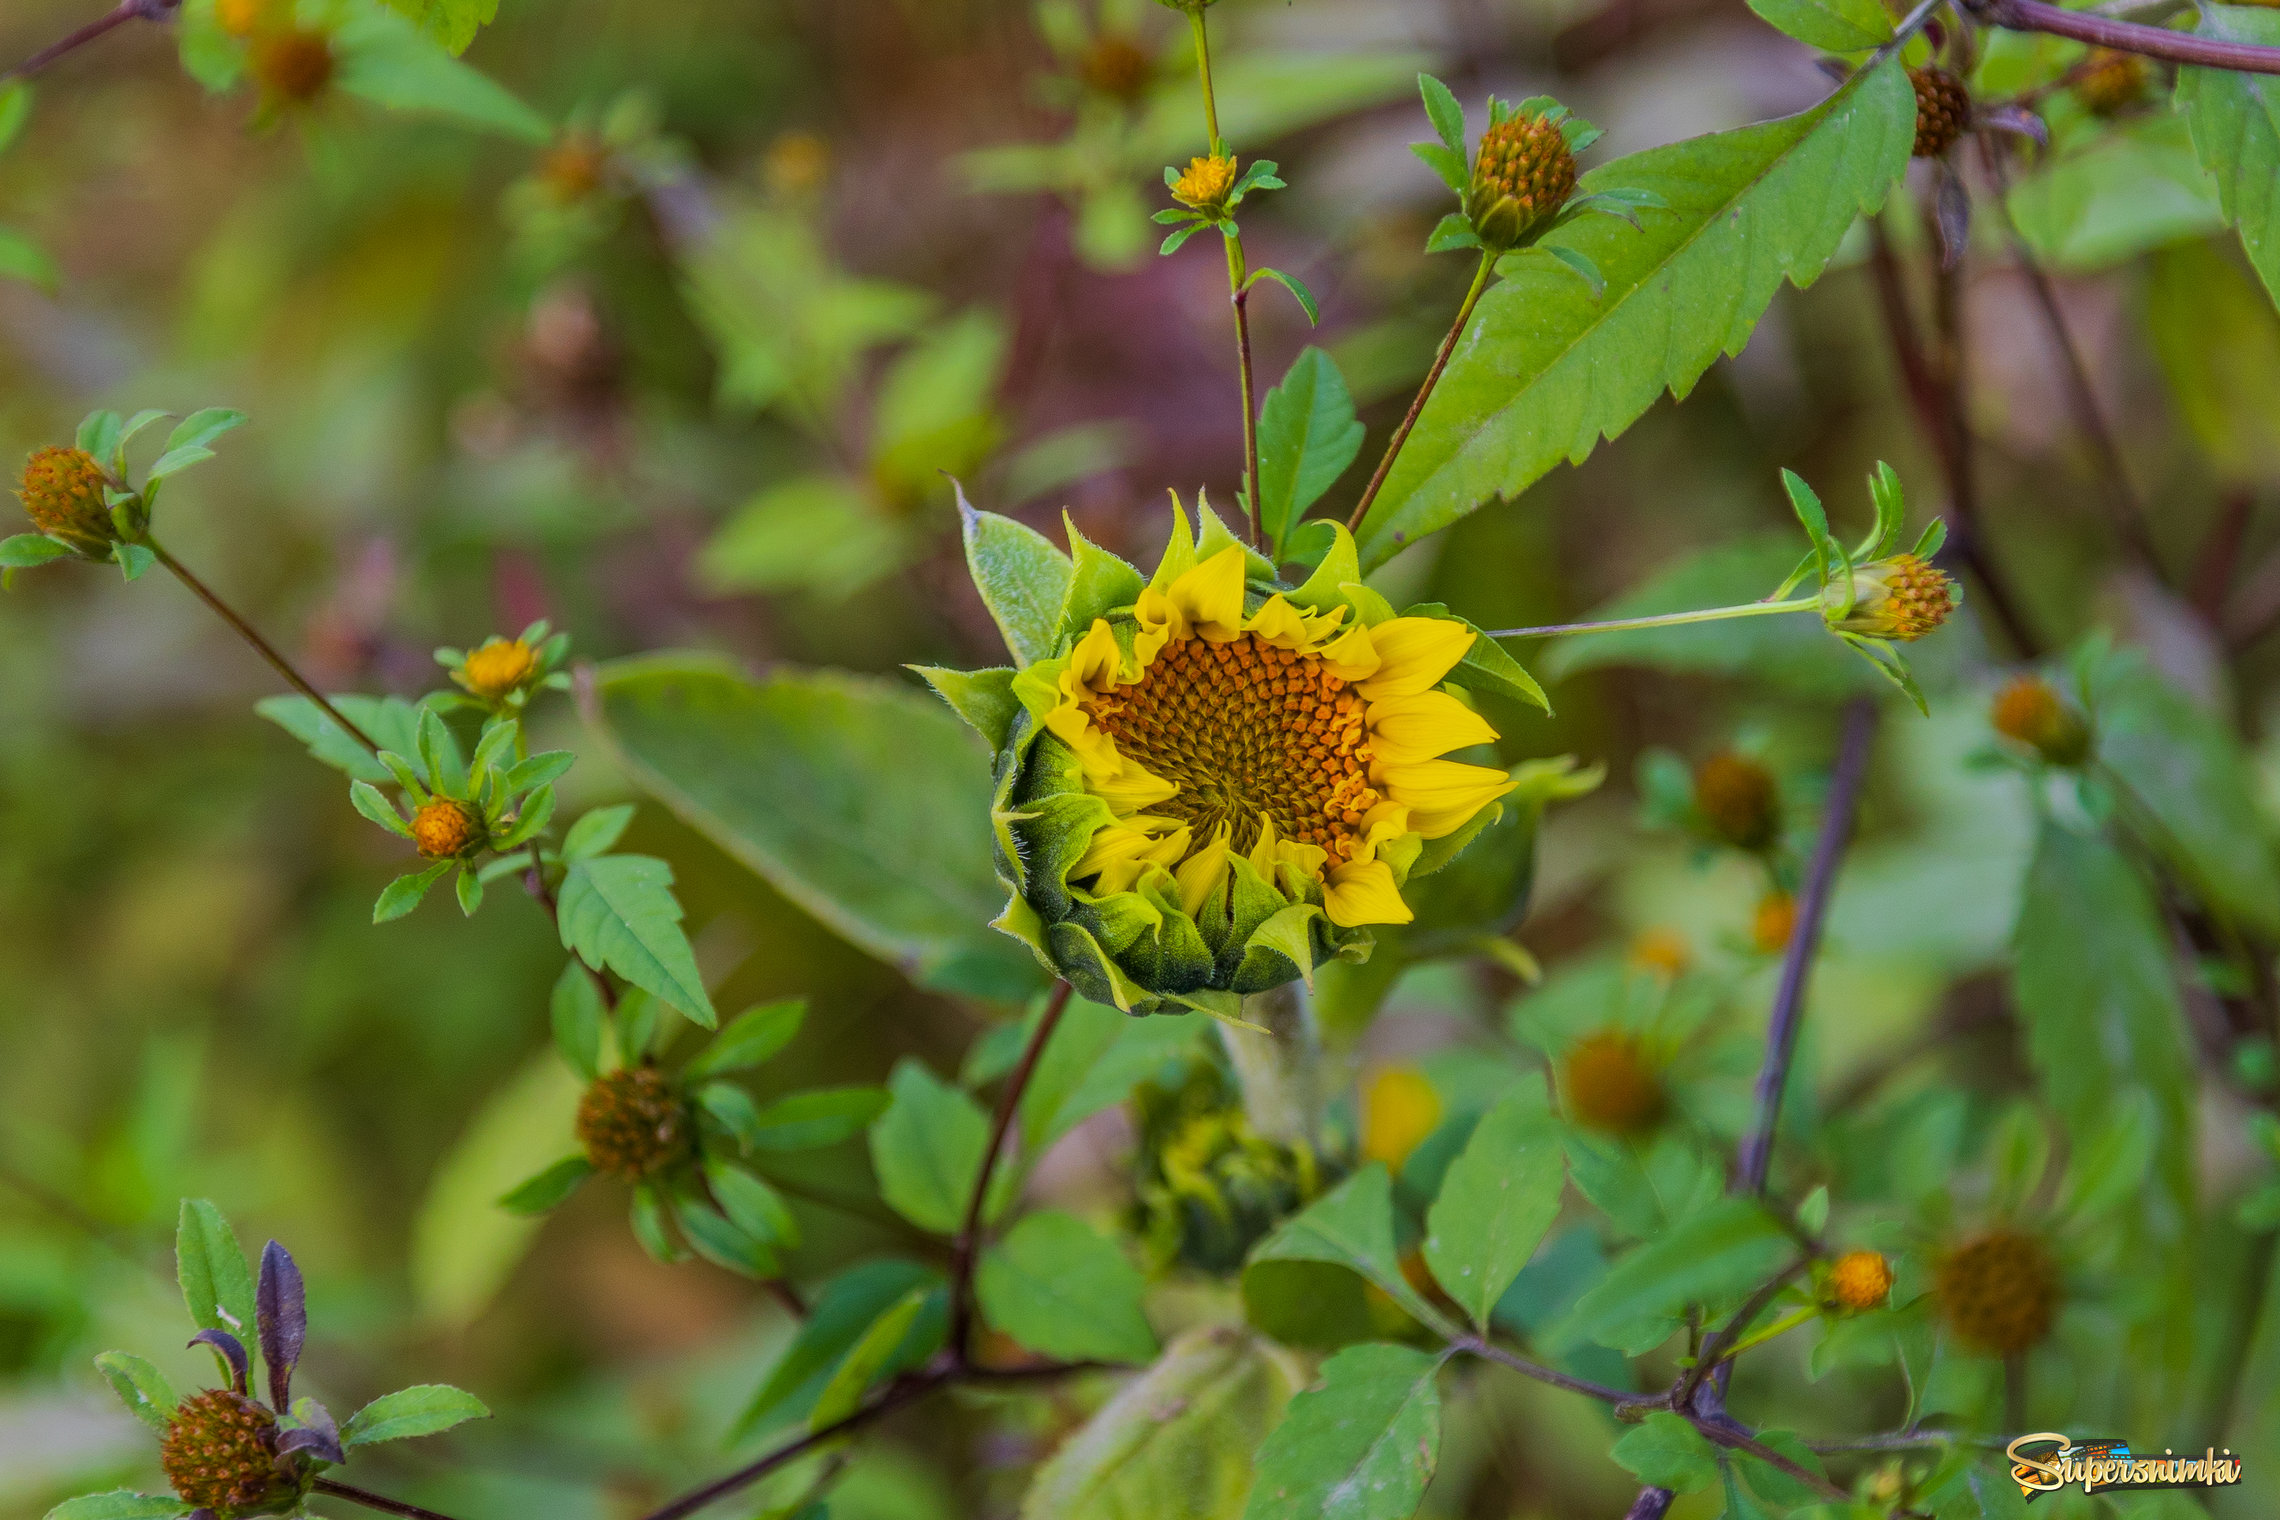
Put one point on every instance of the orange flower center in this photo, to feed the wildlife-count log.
(2000, 1292)
(1608, 1083)
(1247, 732)
(219, 1452)
(497, 669)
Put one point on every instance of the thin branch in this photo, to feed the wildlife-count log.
(124, 12)
(966, 1250)
(1756, 1155)
(2123, 504)
(1729, 1437)
(903, 1391)
(1714, 1349)
(1417, 403)
(380, 1502)
(1652, 1504)
(1237, 279)
(1489, 1351)
(261, 646)
(2125, 36)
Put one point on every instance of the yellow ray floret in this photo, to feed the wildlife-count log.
(1283, 737)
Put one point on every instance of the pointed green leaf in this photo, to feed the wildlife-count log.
(575, 1012)
(2235, 122)
(752, 1206)
(1726, 1249)
(868, 1360)
(1836, 26)
(1308, 437)
(1060, 1288)
(386, 60)
(217, 1286)
(619, 911)
(149, 1397)
(408, 1412)
(1499, 1197)
(927, 1148)
(1360, 1445)
(404, 894)
(1669, 1453)
(1351, 1227)
(119, 1505)
(550, 1189)
(984, 698)
(1022, 579)
(750, 1038)
(847, 1307)
(1447, 116)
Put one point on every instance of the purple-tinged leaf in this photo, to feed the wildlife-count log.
(317, 1434)
(231, 1350)
(282, 1308)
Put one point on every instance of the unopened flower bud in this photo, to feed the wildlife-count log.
(2027, 711)
(62, 493)
(1999, 1293)
(1521, 177)
(1943, 110)
(1608, 1082)
(220, 1454)
(1739, 800)
(294, 65)
(2112, 81)
(1207, 183)
(496, 670)
(1860, 1280)
(1772, 922)
(632, 1123)
(1901, 598)
(446, 829)
(1116, 66)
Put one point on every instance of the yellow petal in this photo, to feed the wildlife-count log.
(1280, 624)
(1119, 853)
(1095, 663)
(1363, 893)
(1389, 820)
(1160, 620)
(1441, 794)
(1420, 727)
(1211, 595)
(1415, 653)
(1202, 874)
(1353, 656)
(1262, 856)
(1129, 789)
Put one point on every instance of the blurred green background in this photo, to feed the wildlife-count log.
(791, 259)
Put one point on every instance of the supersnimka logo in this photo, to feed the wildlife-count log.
(2046, 1462)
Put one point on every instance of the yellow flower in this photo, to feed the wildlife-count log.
(1860, 1280)
(62, 492)
(1207, 182)
(1900, 598)
(493, 671)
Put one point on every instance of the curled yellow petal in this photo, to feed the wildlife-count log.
(1353, 655)
(1119, 853)
(1202, 874)
(1095, 663)
(1442, 795)
(1363, 893)
(1211, 596)
(1427, 724)
(1281, 624)
(1414, 654)
(1129, 788)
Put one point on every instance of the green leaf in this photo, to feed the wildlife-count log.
(408, 1412)
(1447, 116)
(984, 698)
(1060, 1288)
(927, 1148)
(1297, 289)
(1093, 1061)
(1022, 579)
(822, 533)
(391, 722)
(1836, 26)
(1547, 370)
(576, 1014)
(23, 259)
(202, 427)
(119, 1505)
(1178, 1440)
(1448, 166)
(619, 911)
(385, 59)
(1500, 1195)
(597, 831)
(750, 1038)
(646, 1217)
(1724, 1251)
(753, 1206)
(134, 560)
(26, 551)
(720, 1240)
(452, 23)
(1308, 436)
(149, 1397)
(550, 1189)
(1361, 1445)
(1670, 1453)
(2235, 121)
(15, 109)
(1350, 1227)
(848, 1305)
(469, 887)
(366, 799)
(806, 1121)
(217, 1287)
(2218, 339)
(405, 893)
(2130, 187)
(175, 461)
(861, 800)
(868, 1360)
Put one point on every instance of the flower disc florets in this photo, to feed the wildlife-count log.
(2027, 711)
(1207, 183)
(1213, 787)
(1901, 598)
(497, 669)
(1739, 801)
(62, 492)
(1999, 1292)
(1943, 110)
(1608, 1081)
(633, 1124)
(220, 1453)
(1860, 1280)
(1522, 175)
(446, 829)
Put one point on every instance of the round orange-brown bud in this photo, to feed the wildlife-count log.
(494, 671)
(220, 1453)
(1901, 598)
(446, 829)
(1521, 177)
(2028, 711)
(632, 1123)
(1739, 800)
(1772, 922)
(62, 492)
(1608, 1082)
(2111, 81)
(1999, 1292)
(1860, 1280)
(1117, 67)
(294, 65)
(1943, 110)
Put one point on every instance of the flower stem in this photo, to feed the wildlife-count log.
(1203, 72)
(1417, 405)
(1237, 271)
(380, 1502)
(965, 1251)
(1778, 1328)
(261, 646)
(1663, 619)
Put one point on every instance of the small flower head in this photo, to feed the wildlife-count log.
(1860, 1280)
(1943, 110)
(1999, 1292)
(1118, 67)
(1739, 801)
(62, 492)
(294, 65)
(633, 1124)
(220, 1453)
(497, 669)
(241, 18)
(573, 168)
(1399, 1109)
(1208, 1186)
(1772, 922)
(2027, 711)
(1661, 951)
(447, 829)
(1901, 598)
(797, 164)
(2111, 82)
(1608, 1081)
(1522, 176)
(1207, 183)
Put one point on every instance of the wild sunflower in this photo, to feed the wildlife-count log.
(1215, 783)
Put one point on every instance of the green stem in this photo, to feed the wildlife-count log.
(1779, 1327)
(1238, 272)
(1203, 70)
(1417, 404)
(1663, 620)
